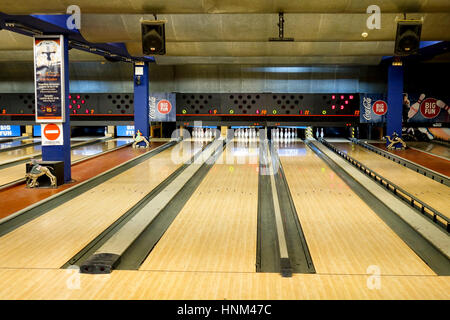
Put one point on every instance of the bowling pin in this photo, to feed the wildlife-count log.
(321, 133)
(317, 133)
(441, 104)
(415, 107)
(425, 130)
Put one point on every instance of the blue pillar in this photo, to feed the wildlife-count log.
(395, 101)
(141, 95)
(62, 153)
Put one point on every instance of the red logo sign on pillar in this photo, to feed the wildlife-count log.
(379, 107)
(164, 106)
(429, 108)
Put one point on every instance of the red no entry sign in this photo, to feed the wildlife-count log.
(51, 131)
(52, 134)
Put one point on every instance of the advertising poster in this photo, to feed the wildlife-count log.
(373, 108)
(162, 107)
(49, 78)
(9, 131)
(420, 108)
(125, 131)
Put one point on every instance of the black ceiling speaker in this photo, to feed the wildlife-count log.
(153, 37)
(407, 40)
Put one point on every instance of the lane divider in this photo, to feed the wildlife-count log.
(285, 263)
(106, 257)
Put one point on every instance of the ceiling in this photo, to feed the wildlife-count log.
(237, 31)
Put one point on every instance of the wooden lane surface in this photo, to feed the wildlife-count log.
(35, 150)
(16, 143)
(52, 239)
(17, 172)
(216, 229)
(7, 156)
(62, 284)
(96, 148)
(343, 234)
(429, 191)
(433, 148)
(426, 160)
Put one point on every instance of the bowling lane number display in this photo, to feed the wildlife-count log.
(49, 78)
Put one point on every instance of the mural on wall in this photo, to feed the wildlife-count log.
(417, 109)
(420, 108)
(425, 134)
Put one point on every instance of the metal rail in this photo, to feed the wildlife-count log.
(426, 210)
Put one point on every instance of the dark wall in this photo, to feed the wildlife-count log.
(429, 78)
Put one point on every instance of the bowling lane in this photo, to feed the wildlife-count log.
(217, 228)
(429, 191)
(52, 239)
(35, 150)
(433, 148)
(11, 155)
(343, 234)
(17, 143)
(97, 148)
(16, 172)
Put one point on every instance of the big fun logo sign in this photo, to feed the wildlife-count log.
(164, 106)
(379, 107)
(429, 108)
